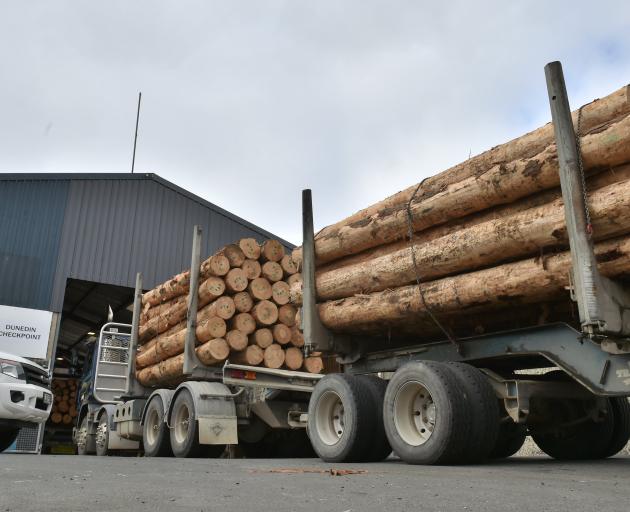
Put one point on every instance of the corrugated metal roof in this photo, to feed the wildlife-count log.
(31, 220)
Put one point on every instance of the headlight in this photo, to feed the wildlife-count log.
(12, 369)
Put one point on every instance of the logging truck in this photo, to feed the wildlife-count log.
(389, 292)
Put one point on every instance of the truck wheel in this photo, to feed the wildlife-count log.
(185, 430)
(620, 408)
(427, 416)
(155, 435)
(510, 439)
(484, 405)
(380, 448)
(102, 435)
(7, 438)
(341, 418)
(82, 438)
(586, 439)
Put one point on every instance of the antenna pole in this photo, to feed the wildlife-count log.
(135, 137)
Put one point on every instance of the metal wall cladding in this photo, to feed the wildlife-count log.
(114, 228)
(31, 220)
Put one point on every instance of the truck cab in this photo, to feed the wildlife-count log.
(25, 396)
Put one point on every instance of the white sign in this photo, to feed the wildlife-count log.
(25, 332)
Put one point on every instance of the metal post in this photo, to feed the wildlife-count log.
(190, 357)
(602, 303)
(135, 327)
(135, 137)
(316, 336)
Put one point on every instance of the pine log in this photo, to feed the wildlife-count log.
(210, 353)
(236, 280)
(234, 254)
(297, 338)
(210, 328)
(262, 337)
(211, 289)
(271, 250)
(501, 184)
(252, 269)
(260, 289)
(243, 302)
(508, 285)
(485, 244)
(294, 278)
(293, 358)
(67, 419)
(56, 417)
(265, 313)
(594, 115)
(223, 307)
(288, 265)
(252, 356)
(243, 322)
(313, 364)
(286, 314)
(250, 248)
(274, 356)
(216, 265)
(272, 271)
(280, 293)
(281, 334)
(236, 339)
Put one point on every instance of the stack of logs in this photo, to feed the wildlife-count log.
(64, 409)
(488, 236)
(244, 315)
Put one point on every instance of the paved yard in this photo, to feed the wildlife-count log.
(69, 483)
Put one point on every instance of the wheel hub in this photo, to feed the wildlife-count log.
(330, 418)
(415, 413)
(101, 435)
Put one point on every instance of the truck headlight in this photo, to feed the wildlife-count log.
(12, 369)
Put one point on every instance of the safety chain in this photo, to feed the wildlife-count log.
(578, 143)
(448, 335)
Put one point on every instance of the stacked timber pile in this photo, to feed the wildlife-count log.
(64, 409)
(244, 315)
(488, 235)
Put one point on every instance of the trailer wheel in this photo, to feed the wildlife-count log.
(341, 418)
(620, 408)
(427, 416)
(586, 439)
(102, 435)
(484, 406)
(380, 448)
(510, 439)
(7, 438)
(155, 435)
(185, 430)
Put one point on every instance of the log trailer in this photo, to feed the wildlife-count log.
(454, 401)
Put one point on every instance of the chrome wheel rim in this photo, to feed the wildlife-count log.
(415, 413)
(330, 418)
(101, 434)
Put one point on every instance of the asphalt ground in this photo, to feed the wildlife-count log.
(70, 483)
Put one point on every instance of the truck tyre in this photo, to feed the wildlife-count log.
(155, 434)
(184, 434)
(620, 408)
(102, 435)
(82, 438)
(510, 439)
(7, 438)
(427, 417)
(586, 440)
(380, 448)
(341, 418)
(484, 406)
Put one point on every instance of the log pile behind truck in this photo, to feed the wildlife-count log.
(488, 248)
(244, 315)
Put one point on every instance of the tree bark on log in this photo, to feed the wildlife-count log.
(500, 184)
(482, 245)
(594, 115)
(511, 284)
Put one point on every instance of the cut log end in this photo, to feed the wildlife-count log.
(244, 322)
(280, 293)
(217, 265)
(265, 313)
(313, 364)
(243, 302)
(252, 269)
(262, 337)
(236, 340)
(234, 254)
(272, 250)
(288, 265)
(281, 334)
(287, 314)
(293, 358)
(274, 356)
(260, 289)
(272, 271)
(236, 280)
(253, 355)
(250, 248)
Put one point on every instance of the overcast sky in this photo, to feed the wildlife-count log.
(246, 103)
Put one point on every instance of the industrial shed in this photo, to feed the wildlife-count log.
(73, 243)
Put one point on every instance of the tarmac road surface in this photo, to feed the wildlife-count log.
(70, 483)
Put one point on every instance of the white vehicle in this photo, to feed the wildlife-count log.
(25, 396)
